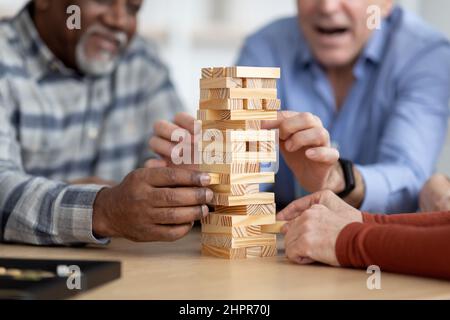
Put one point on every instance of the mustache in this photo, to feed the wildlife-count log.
(118, 36)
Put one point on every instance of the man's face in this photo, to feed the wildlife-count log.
(336, 30)
(107, 27)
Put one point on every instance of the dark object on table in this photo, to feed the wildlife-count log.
(53, 279)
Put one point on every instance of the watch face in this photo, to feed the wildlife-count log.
(347, 168)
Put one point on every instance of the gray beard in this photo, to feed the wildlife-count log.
(94, 67)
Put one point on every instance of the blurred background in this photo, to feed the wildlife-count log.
(192, 34)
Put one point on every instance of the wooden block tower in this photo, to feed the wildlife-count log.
(233, 101)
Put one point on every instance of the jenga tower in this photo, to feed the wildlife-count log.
(233, 101)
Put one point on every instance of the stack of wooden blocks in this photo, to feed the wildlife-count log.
(233, 102)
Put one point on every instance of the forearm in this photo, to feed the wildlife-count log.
(336, 183)
(395, 248)
(40, 211)
(414, 219)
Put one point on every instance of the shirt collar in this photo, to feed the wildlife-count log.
(375, 46)
(38, 57)
(303, 54)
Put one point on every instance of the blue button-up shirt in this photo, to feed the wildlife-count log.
(394, 119)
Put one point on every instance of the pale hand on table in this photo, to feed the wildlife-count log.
(314, 225)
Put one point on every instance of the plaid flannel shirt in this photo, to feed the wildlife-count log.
(56, 126)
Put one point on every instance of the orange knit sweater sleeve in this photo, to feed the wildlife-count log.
(412, 219)
(416, 244)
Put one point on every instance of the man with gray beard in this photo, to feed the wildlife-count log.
(76, 112)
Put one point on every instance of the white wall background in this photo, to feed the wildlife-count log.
(197, 33)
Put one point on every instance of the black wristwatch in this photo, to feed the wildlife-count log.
(350, 183)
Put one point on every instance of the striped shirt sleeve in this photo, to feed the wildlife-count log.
(34, 209)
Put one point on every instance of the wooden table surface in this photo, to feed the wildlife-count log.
(178, 271)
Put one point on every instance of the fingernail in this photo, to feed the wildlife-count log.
(205, 211)
(209, 195)
(205, 179)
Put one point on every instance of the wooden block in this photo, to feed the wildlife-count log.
(231, 124)
(213, 157)
(222, 146)
(223, 199)
(226, 220)
(223, 104)
(222, 83)
(258, 83)
(214, 147)
(271, 104)
(252, 135)
(224, 252)
(241, 72)
(239, 135)
(237, 93)
(239, 253)
(237, 141)
(253, 104)
(228, 82)
(240, 104)
(265, 146)
(228, 241)
(236, 115)
(273, 228)
(238, 167)
(253, 72)
(262, 251)
(209, 73)
(249, 210)
(237, 226)
(242, 178)
(235, 189)
(235, 232)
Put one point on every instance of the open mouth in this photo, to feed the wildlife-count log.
(331, 31)
(106, 42)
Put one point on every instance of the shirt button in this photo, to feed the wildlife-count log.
(93, 133)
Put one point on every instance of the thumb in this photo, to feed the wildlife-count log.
(296, 208)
